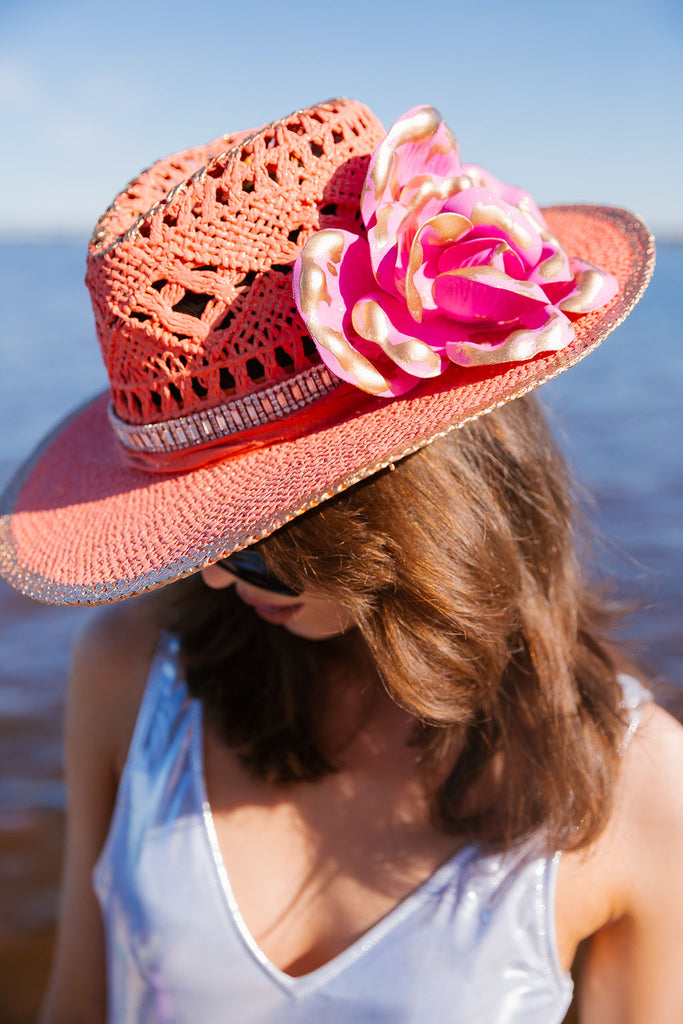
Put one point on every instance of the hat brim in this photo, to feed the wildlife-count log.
(77, 526)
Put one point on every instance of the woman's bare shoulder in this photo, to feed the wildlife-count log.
(646, 834)
(116, 635)
(626, 890)
(111, 660)
(645, 830)
(648, 807)
(656, 747)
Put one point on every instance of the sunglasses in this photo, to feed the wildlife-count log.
(250, 567)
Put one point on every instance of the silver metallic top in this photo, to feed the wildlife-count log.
(474, 943)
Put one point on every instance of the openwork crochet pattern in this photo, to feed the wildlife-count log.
(190, 268)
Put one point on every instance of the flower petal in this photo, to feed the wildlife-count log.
(418, 349)
(483, 251)
(384, 240)
(331, 272)
(433, 240)
(553, 333)
(510, 193)
(593, 288)
(488, 211)
(413, 169)
(419, 142)
(485, 294)
(553, 273)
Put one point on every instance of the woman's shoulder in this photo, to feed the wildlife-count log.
(655, 750)
(645, 828)
(110, 665)
(626, 889)
(645, 836)
(118, 635)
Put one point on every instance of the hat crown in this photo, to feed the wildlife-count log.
(189, 270)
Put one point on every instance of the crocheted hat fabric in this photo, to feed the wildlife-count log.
(222, 423)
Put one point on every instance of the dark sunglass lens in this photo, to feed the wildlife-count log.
(250, 567)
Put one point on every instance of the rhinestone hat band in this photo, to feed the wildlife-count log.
(208, 425)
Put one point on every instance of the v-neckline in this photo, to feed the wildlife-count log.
(353, 952)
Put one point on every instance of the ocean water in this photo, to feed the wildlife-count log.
(619, 415)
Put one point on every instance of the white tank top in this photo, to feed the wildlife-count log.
(474, 944)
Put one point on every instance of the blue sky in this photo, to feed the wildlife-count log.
(574, 102)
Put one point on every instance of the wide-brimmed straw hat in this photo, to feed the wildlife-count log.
(282, 313)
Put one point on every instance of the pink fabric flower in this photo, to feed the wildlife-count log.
(457, 267)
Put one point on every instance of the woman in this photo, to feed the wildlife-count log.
(382, 761)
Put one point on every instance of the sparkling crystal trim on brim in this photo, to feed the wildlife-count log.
(232, 417)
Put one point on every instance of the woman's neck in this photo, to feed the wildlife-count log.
(358, 721)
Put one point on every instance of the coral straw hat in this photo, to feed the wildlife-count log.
(283, 313)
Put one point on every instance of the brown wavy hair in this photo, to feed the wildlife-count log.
(460, 568)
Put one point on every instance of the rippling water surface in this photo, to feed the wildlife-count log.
(619, 414)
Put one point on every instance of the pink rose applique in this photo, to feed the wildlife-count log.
(457, 267)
